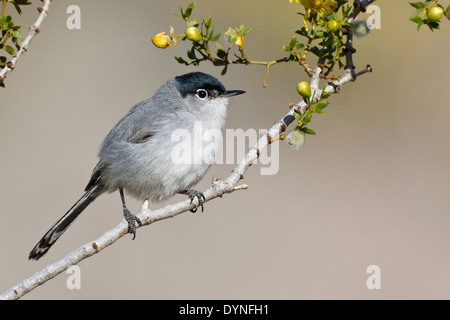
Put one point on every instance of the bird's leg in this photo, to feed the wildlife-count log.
(195, 194)
(129, 217)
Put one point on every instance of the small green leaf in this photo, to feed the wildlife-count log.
(188, 11)
(216, 37)
(207, 23)
(325, 95)
(307, 118)
(220, 51)
(315, 51)
(308, 130)
(417, 5)
(415, 17)
(320, 106)
(434, 25)
(10, 50)
(191, 54)
(193, 23)
(16, 34)
(242, 29)
(180, 60)
(224, 70)
(302, 32)
(319, 34)
(297, 115)
(447, 12)
(293, 42)
(19, 11)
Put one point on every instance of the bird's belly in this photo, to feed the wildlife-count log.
(159, 173)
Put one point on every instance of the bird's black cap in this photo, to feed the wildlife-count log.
(189, 83)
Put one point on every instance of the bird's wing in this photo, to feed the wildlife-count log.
(140, 136)
(96, 174)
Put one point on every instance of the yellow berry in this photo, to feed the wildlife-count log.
(304, 89)
(333, 26)
(161, 40)
(316, 4)
(434, 14)
(193, 34)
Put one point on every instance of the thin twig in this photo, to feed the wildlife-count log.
(34, 30)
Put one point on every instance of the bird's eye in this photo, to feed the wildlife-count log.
(202, 94)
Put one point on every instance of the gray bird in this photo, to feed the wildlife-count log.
(137, 154)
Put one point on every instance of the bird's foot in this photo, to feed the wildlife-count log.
(131, 220)
(192, 194)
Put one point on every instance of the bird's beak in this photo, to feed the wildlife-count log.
(231, 93)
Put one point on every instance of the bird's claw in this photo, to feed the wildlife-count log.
(131, 220)
(192, 194)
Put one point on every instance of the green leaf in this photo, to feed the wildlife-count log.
(207, 23)
(220, 51)
(180, 60)
(17, 34)
(216, 37)
(297, 115)
(193, 23)
(19, 11)
(191, 54)
(320, 106)
(293, 42)
(417, 5)
(10, 50)
(307, 117)
(302, 32)
(187, 13)
(319, 34)
(3, 61)
(307, 130)
(447, 12)
(315, 51)
(434, 25)
(325, 95)
(242, 29)
(415, 17)
(224, 70)
(21, 2)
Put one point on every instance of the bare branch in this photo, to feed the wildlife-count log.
(358, 7)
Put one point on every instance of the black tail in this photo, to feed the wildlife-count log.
(58, 229)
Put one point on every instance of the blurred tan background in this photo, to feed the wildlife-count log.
(371, 188)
